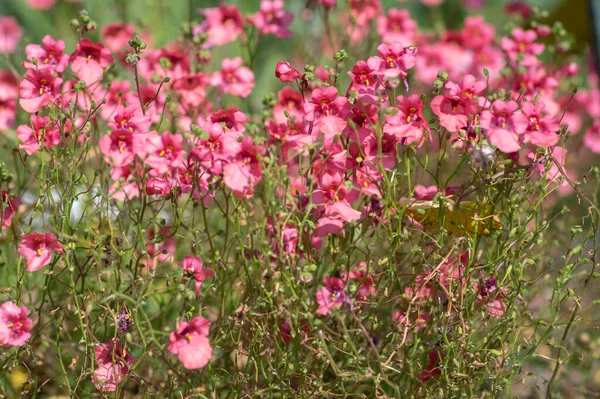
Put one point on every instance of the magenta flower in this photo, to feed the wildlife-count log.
(113, 365)
(42, 132)
(542, 131)
(285, 72)
(332, 295)
(272, 19)
(504, 125)
(38, 89)
(190, 342)
(10, 34)
(50, 54)
(230, 118)
(8, 206)
(192, 266)
(222, 24)
(37, 249)
(233, 78)
(89, 61)
(14, 325)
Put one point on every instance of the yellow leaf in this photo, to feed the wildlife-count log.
(464, 219)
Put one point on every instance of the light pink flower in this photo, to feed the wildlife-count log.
(14, 325)
(396, 59)
(89, 61)
(50, 54)
(37, 249)
(190, 342)
(132, 119)
(113, 365)
(233, 78)
(10, 34)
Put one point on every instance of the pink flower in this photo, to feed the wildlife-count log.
(120, 147)
(192, 266)
(477, 33)
(132, 119)
(504, 125)
(14, 325)
(163, 152)
(89, 61)
(364, 73)
(332, 295)
(365, 11)
(454, 108)
(223, 24)
(231, 118)
(542, 131)
(432, 3)
(272, 19)
(41, 4)
(244, 172)
(396, 59)
(37, 249)
(190, 342)
(113, 365)
(116, 35)
(285, 72)
(192, 89)
(42, 132)
(117, 94)
(289, 100)
(50, 54)
(592, 137)
(38, 89)
(10, 34)
(523, 43)
(433, 367)
(397, 26)
(234, 78)
(8, 206)
(408, 125)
